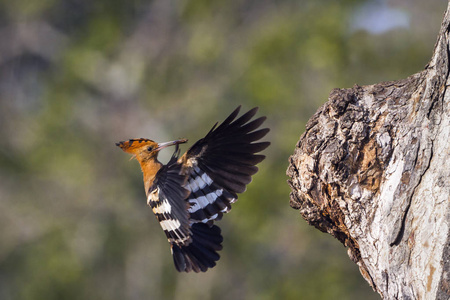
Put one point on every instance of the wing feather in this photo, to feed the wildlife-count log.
(167, 198)
(227, 155)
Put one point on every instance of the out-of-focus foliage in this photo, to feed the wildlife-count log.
(77, 76)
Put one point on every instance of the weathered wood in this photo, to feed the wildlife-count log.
(373, 170)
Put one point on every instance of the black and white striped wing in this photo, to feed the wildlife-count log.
(167, 198)
(208, 201)
(222, 164)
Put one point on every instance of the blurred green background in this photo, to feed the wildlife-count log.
(76, 76)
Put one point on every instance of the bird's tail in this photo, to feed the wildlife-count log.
(201, 253)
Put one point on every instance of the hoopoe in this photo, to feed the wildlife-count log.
(191, 192)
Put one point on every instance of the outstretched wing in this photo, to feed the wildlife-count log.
(221, 164)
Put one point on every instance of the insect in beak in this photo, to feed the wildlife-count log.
(171, 143)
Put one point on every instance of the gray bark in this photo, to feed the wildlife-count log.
(373, 170)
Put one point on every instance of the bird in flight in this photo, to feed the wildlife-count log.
(191, 192)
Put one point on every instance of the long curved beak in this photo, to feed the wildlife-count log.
(171, 143)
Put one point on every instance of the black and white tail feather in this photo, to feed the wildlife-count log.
(193, 191)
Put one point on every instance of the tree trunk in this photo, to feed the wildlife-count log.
(373, 170)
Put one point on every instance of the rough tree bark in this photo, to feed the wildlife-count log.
(373, 170)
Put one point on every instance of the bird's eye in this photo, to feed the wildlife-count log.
(150, 148)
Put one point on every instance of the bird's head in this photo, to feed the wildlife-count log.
(145, 149)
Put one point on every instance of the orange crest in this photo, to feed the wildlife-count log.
(134, 146)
